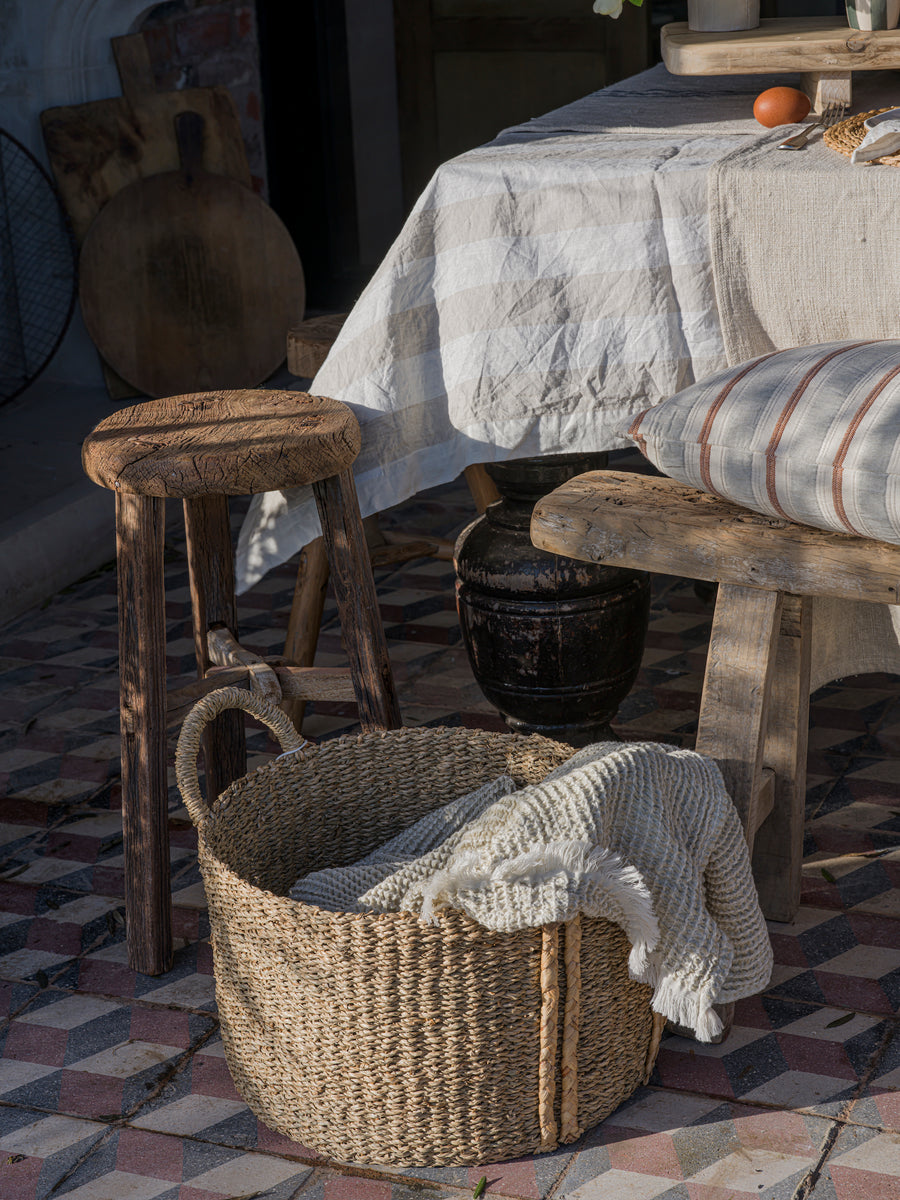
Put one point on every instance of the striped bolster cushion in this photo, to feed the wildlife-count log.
(811, 434)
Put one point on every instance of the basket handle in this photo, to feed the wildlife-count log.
(195, 723)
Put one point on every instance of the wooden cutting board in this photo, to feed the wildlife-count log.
(98, 148)
(188, 280)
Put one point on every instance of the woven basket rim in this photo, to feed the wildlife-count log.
(846, 136)
(295, 765)
(297, 759)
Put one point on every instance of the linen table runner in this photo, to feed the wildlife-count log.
(805, 246)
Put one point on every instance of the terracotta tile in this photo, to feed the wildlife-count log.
(168, 1027)
(855, 1183)
(816, 1056)
(17, 898)
(140, 1152)
(90, 1095)
(60, 937)
(36, 1044)
(210, 1077)
(276, 1143)
(645, 1153)
(106, 977)
(19, 1177)
(694, 1074)
(848, 992)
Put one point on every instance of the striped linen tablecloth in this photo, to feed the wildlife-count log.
(545, 287)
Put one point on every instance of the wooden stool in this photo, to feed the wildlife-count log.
(754, 711)
(201, 449)
(308, 345)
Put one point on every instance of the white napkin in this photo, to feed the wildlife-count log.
(881, 139)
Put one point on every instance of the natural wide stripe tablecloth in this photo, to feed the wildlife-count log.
(545, 287)
(551, 284)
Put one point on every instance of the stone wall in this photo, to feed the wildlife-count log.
(194, 43)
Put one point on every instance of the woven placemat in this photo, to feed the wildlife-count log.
(846, 135)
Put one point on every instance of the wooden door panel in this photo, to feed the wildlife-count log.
(467, 69)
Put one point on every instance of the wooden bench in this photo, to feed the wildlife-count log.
(754, 710)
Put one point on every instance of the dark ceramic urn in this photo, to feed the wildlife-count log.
(554, 644)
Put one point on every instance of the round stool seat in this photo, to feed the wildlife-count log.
(222, 443)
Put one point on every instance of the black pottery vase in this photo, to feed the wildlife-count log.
(554, 644)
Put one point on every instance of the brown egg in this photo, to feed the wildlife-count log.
(780, 106)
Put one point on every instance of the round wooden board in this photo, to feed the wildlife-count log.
(190, 284)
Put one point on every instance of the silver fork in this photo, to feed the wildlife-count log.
(831, 114)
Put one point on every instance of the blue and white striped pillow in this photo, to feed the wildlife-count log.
(811, 434)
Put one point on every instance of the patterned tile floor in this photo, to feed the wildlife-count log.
(113, 1085)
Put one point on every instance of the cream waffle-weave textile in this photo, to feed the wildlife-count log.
(642, 834)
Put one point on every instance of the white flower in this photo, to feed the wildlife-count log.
(609, 8)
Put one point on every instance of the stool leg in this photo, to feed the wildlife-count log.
(140, 523)
(305, 620)
(778, 848)
(734, 706)
(354, 589)
(211, 569)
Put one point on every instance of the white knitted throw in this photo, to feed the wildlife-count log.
(640, 833)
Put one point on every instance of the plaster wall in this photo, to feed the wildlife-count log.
(58, 52)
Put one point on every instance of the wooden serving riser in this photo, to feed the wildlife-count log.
(825, 51)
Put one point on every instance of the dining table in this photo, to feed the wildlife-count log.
(585, 265)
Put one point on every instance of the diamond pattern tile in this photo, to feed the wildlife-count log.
(114, 1085)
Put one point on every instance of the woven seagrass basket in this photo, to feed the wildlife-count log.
(378, 1038)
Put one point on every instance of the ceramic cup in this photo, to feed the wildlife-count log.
(723, 16)
(873, 14)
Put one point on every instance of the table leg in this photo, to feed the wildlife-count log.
(140, 522)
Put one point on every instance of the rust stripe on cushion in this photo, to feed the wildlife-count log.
(706, 428)
(785, 416)
(635, 435)
(837, 479)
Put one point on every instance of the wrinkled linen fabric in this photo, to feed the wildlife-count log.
(642, 834)
(778, 282)
(544, 288)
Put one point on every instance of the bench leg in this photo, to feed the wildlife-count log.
(354, 589)
(211, 571)
(778, 848)
(734, 707)
(140, 523)
(735, 702)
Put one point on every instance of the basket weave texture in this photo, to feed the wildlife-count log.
(375, 1037)
(846, 135)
